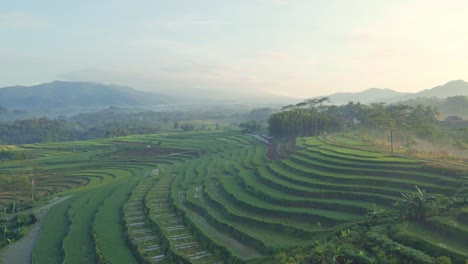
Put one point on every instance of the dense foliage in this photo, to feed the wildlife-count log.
(11, 229)
(114, 122)
(38, 130)
(451, 106)
(250, 126)
(214, 195)
(314, 117)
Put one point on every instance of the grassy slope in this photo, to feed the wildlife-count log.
(77, 244)
(53, 231)
(276, 188)
(108, 226)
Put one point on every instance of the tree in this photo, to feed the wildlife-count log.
(302, 119)
(416, 205)
(422, 121)
(14, 184)
(187, 127)
(316, 107)
(250, 126)
(460, 145)
(287, 110)
(277, 126)
(379, 118)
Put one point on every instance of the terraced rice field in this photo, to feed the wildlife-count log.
(213, 197)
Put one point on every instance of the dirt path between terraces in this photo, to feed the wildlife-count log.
(270, 153)
(21, 251)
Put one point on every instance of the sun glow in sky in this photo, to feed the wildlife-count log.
(298, 48)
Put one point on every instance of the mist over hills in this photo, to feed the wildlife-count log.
(70, 98)
(73, 97)
(375, 95)
(368, 96)
(59, 94)
(452, 88)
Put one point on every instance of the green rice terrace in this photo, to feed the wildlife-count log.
(214, 197)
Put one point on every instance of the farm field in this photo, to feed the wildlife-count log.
(214, 197)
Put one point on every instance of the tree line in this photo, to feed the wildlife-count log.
(306, 118)
(40, 130)
(315, 117)
(450, 106)
(114, 122)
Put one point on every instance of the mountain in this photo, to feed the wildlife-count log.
(75, 95)
(13, 114)
(450, 106)
(368, 96)
(452, 88)
(375, 95)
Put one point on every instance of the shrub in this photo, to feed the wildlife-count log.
(443, 260)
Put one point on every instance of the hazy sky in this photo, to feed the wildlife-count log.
(299, 48)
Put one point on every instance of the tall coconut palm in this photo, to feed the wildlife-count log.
(287, 110)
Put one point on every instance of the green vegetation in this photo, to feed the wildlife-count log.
(77, 244)
(53, 231)
(109, 242)
(214, 196)
(12, 228)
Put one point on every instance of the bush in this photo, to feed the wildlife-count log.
(12, 230)
(376, 240)
(443, 260)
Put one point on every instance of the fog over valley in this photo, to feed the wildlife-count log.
(219, 132)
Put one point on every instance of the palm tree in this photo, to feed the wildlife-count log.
(320, 109)
(316, 106)
(414, 205)
(287, 110)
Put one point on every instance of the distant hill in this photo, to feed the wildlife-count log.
(452, 88)
(368, 96)
(374, 95)
(71, 98)
(13, 114)
(63, 95)
(450, 106)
